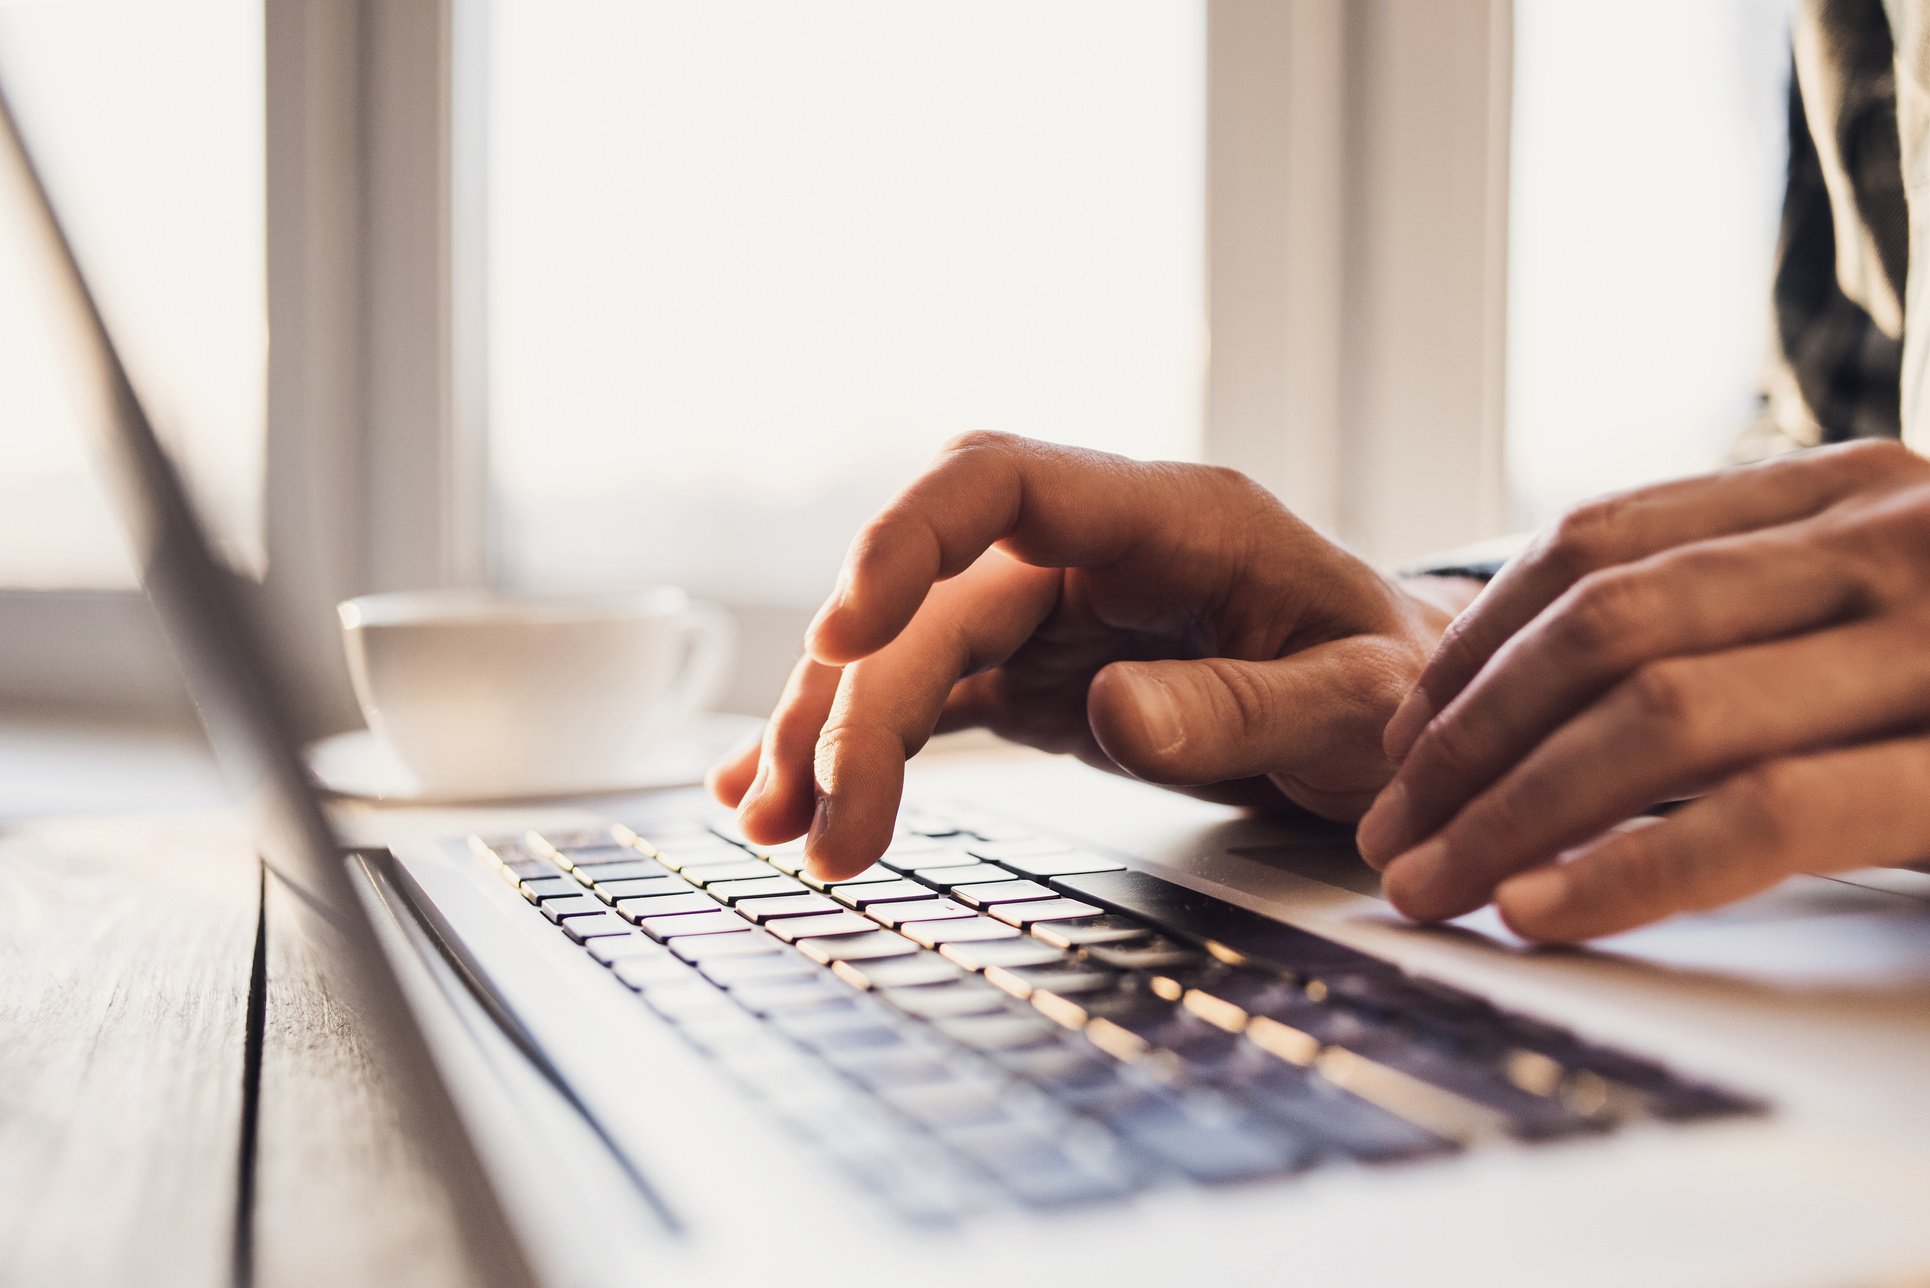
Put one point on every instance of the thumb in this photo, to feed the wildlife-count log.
(1320, 712)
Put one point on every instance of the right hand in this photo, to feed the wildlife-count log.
(1170, 622)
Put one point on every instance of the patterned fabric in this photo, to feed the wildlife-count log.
(1842, 258)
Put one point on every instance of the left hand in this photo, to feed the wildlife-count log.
(1758, 638)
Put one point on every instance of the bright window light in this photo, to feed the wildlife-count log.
(1647, 152)
(751, 263)
(146, 120)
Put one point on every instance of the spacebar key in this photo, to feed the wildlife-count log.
(1200, 916)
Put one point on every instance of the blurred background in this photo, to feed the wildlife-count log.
(584, 294)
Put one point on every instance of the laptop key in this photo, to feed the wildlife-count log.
(611, 949)
(595, 925)
(766, 968)
(856, 948)
(985, 894)
(524, 868)
(876, 874)
(1213, 1145)
(665, 905)
(639, 887)
(792, 929)
(1001, 1032)
(947, 879)
(539, 889)
(794, 997)
(932, 934)
(635, 866)
(934, 856)
(1010, 952)
(867, 893)
(743, 869)
(929, 908)
(644, 973)
(744, 943)
(1157, 955)
(912, 970)
(684, 856)
(1108, 929)
(1033, 911)
(807, 904)
(755, 888)
(701, 923)
(1000, 851)
(1024, 981)
(947, 1001)
(592, 856)
(572, 905)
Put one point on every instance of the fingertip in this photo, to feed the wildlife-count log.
(1136, 718)
(1405, 727)
(1421, 887)
(1538, 905)
(731, 776)
(834, 850)
(1386, 827)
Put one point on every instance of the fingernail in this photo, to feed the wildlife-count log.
(820, 824)
(758, 783)
(1385, 827)
(1159, 711)
(1409, 719)
(1532, 900)
(1417, 882)
(826, 611)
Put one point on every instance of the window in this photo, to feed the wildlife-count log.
(1648, 144)
(146, 121)
(750, 264)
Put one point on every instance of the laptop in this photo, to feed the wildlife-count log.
(1070, 1030)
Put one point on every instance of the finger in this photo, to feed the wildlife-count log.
(1830, 812)
(1670, 728)
(729, 779)
(1312, 717)
(1622, 528)
(777, 805)
(1046, 504)
(887, 705)
(1690, 600)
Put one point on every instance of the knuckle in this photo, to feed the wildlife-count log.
(1237, 483)
(1585, 538)
(1878, 458)
(1881, 554)
(1595, 618)
(843, 742)
(1663, 698)
(1764, 800)
(1451, 749)
(1246, 703)
(980, 440)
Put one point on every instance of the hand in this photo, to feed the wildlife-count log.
(1760, 638)
(1171, 622)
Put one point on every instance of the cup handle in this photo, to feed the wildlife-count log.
(710, 650)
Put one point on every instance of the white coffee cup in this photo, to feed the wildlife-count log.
(481, 694)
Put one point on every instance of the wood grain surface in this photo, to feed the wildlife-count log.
(344, 1196)
(125, 950)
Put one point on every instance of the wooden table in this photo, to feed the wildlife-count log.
(128, 966)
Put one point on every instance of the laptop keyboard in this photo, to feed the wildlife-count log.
(988, 1017)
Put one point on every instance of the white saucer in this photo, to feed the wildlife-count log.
(360, 765)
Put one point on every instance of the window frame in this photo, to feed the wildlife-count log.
(374, 477)
(1356, 194)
